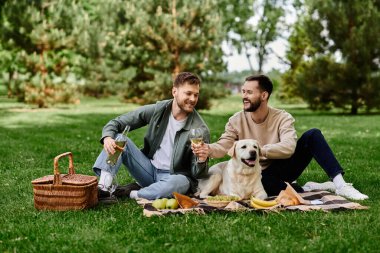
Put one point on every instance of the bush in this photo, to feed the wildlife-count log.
(45, 92)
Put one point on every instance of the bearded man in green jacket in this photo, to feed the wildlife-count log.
(166, 163)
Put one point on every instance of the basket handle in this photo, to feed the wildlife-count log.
(57, 178)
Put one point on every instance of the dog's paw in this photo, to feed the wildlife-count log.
(203, 196)
(262, 195)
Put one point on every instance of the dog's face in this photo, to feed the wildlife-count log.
(247, 151)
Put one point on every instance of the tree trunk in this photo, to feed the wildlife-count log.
(249, 62)
(354, 109)
(177, 67)
(354, 102)
(248, 57)
(9, 84)
(261, 55)
(261, 62)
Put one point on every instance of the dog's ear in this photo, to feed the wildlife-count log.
(231, 152)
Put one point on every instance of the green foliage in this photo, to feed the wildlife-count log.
(267, 29)
(245, 35)
(35, 141)
(334, 55)
(164, 38)
(131, 48)
(41, 65)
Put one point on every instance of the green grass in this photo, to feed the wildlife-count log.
(31, 138)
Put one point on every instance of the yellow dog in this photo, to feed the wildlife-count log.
(240, 176)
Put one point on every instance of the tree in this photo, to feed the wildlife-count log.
(236, 15)
(267, 30)
(161, 38)
(335, 55)
(102, 47)
(245, 34)
(38, 44)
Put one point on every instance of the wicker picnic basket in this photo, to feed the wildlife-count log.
(63, 192)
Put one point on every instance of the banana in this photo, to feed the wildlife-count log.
(264, 203)
(256, 206)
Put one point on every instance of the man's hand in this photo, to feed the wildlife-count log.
(201, 151)
(109, 145)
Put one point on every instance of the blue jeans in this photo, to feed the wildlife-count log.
(312, 144)
(155, 183)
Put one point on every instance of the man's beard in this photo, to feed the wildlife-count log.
(182, 106)
(253, 105)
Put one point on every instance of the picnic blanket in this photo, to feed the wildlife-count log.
(325, 201)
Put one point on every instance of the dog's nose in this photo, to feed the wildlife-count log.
(252, 154)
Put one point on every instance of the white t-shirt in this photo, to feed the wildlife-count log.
(163, 156)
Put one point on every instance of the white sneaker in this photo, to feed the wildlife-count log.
(350, 192)
(326, 186)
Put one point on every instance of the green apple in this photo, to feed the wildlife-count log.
(172, 204)
(165, 200)
(160, 203)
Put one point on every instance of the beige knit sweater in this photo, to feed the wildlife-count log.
(276, 135)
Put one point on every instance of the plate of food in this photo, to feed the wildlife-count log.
(220, 201)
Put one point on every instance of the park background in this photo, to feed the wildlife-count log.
(67, 67)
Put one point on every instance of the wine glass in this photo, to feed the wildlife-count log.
(111, 189)
(196, 137)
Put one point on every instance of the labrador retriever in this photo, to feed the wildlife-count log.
(240, 176)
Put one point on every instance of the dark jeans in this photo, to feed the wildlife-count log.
(312, 144)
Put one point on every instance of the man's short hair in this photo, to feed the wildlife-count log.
(265, 83)
(186, 77)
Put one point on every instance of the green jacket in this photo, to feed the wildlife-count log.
(156, 116)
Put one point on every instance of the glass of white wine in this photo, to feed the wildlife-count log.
(111, 189)
(196, 136)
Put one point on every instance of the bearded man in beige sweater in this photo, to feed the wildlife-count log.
(283, 156)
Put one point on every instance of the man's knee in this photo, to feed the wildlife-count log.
(179, 183)
(313, 132)
(313, 135)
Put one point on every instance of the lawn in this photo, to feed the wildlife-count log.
(31, 138)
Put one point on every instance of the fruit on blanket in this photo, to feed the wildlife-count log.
(172, 204)
(222, 198)
(257, 206)
(160, 203)
(263, 203)
(184, 201)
